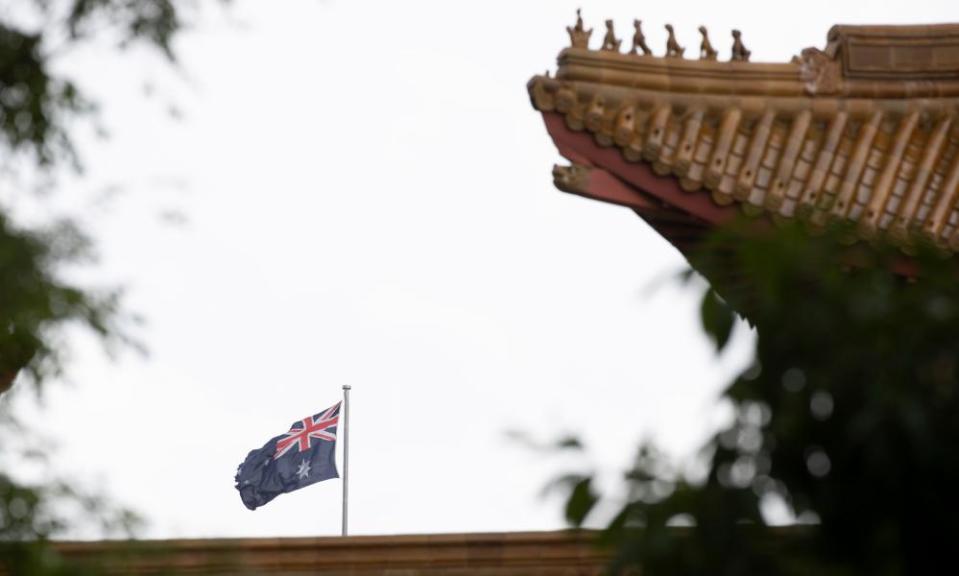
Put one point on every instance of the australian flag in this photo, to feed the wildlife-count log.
(303, 456)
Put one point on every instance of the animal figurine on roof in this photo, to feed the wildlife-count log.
(673, 49)
(740, 54)
(639, 39)
(610, 42)
(706, 50)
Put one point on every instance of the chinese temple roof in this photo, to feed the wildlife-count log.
(864, 130)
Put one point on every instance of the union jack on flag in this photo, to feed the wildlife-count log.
(304, 455)
(320, 427)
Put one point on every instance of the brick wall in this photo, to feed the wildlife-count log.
(499, 554)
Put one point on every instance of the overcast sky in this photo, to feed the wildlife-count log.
(360, 193)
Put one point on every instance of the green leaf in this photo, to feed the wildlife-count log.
(581, 500)
(569, 443)
(718, 319)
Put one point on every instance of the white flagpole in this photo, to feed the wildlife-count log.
(346, 454)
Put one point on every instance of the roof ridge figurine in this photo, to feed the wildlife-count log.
(610, 42)
(579, 35)
(740, 53)
(639, 39)
(673, 49)
(706, 50)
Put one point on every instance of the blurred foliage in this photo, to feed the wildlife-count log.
(34, 302)
(847, 419)
(32, 514)
(40, 104)
(37, 101)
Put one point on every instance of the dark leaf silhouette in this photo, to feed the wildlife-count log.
(845, 422)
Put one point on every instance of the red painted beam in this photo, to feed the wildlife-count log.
(580, 148)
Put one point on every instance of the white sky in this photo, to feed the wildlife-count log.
(368, 200)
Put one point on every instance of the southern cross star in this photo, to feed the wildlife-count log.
(304, 470)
